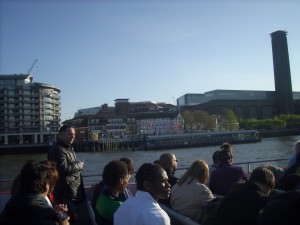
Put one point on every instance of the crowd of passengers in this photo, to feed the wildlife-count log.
(51, 192)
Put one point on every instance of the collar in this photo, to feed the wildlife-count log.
(63, 144)
(146, 195)
(107, 193)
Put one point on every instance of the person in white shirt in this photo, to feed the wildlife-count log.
(152, 184)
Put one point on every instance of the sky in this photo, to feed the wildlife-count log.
(146, 50)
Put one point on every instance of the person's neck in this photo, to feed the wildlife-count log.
(44, 194)
(114, 191)
(155, 197)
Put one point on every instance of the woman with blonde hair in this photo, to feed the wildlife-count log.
(190, 195)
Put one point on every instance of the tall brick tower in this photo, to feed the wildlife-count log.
(282, 73)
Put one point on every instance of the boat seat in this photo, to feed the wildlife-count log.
(177, 218)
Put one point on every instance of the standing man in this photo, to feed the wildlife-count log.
(69, 188)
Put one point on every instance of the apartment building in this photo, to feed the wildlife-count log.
(30, 113)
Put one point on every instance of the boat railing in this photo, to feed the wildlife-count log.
(247, 166)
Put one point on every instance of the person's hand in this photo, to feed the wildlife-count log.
(63, 218)
(81, 163)
(61, 207)
(64, 221)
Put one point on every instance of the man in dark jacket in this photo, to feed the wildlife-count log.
(69, 188)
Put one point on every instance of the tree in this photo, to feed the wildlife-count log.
(229, 120)
(197, 120)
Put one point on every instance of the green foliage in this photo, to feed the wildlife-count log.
(229, 121)
(278, 122)
(197, 120)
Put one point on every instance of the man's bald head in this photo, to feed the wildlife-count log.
(168, 161)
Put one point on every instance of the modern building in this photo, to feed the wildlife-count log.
(30, 113)
(253, 104)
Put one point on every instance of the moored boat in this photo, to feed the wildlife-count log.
(199, 139)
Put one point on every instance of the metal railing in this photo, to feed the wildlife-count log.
(248, 165)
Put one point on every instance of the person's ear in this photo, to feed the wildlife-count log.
(147, 185)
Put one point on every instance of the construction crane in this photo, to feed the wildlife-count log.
(31, 67)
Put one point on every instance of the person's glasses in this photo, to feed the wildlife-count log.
(176, 160)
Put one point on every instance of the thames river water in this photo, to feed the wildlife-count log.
(267, 149)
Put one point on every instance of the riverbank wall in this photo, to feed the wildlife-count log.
(117, 145)
(278, 133)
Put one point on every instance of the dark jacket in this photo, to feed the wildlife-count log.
(282, 210)
(242, 205)
(28, 209)
(70, 184)
(224, 177)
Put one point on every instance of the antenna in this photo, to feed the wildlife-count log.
(31, 67)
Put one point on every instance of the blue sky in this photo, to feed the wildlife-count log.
(147, 50)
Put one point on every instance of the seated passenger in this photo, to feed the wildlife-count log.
(227, 174)
(53, 180)
(190, 195)
(126, 194)
(152, 184)
(278, 173)
(115, 178)
(245, 200)
(282, 210)
(291, 177)
(168, 161)
(28, 204)
(216, 161)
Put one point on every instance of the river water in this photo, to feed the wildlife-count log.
(267, 149)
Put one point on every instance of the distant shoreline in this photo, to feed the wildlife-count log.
(43, 148)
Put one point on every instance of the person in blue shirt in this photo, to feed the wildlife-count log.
(292, 159)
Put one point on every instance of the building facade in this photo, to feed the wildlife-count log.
(129, 120)
(253, 104)
(30, 113)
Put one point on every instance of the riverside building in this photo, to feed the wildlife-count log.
(128, 120)
(253, 104)
(29, 112)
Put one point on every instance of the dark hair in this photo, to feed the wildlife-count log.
(147, 172)
(130, 164)
(225, 153)
(215, 156)
(52, 181)
(263, 176)
(64, 127)
(53, 173)
(113, 172)
(34, 177)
